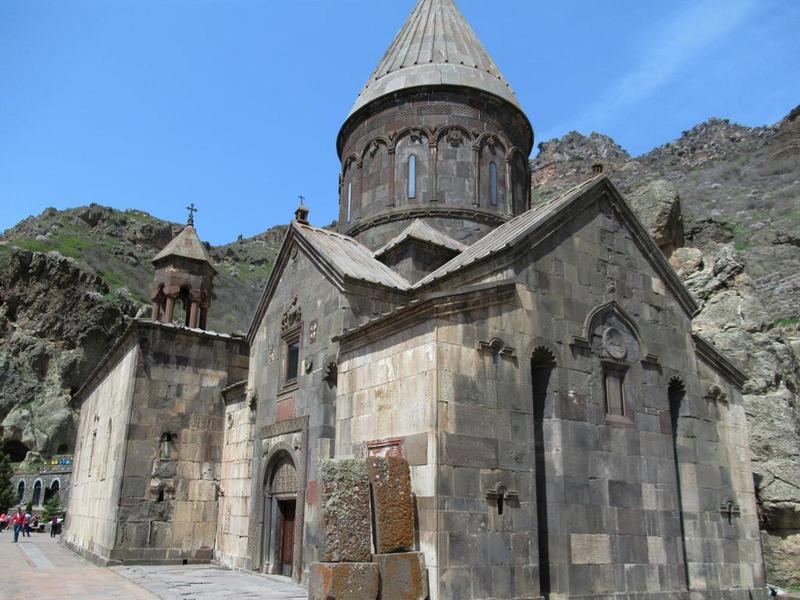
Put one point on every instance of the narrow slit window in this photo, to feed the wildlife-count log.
(412, 176)
(493, 184)
(349, 199)
(292, 361)
(615, 396)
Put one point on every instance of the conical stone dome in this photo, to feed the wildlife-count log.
(436, 46)
(436, 134)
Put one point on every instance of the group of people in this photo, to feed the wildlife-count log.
(23, 522)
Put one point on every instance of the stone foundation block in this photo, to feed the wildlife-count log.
(343, 581)
(403, 576)
(393, 504)
(344, 507)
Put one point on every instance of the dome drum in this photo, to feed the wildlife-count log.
(456, 154)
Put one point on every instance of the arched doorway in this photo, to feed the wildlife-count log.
(52, 490)
(37, 493)
(20, 492)
(280, 508)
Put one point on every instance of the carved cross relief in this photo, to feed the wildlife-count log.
(730, 510)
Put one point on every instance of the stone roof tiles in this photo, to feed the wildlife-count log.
(420, 230)
(187, 245)
(436, 46)
(350, 258)
(507, 234)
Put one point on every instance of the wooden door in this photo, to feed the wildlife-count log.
(286, 539)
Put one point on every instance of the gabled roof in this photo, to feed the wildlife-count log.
(436, 46)
(349, 258)
(544, 219)
(187, 245)
(339, 257)
(420, 230)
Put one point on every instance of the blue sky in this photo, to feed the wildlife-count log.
(235, 104)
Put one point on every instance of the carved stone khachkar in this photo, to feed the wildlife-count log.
(393, 505)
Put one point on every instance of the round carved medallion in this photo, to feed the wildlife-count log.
(614, 343)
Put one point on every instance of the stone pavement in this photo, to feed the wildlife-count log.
(207, 582)
(38, 567)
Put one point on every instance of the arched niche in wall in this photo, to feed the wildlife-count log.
(376, 175)
(412, 168)
(492, 173)
(520, 182)
(454, 167)
(614, 339)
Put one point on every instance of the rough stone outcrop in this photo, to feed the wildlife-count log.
(658, 204)
(56, 322)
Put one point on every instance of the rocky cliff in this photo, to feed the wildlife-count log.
(723, 203)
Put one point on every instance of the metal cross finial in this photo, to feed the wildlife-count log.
(191, 210)
(302, 199)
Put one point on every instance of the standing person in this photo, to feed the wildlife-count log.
(27, 530)
(18, 522)
(53, 526)
(2, 521)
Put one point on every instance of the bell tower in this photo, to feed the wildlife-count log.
(436, 134)
(183, 280)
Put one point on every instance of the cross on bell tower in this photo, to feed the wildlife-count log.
(191, 208)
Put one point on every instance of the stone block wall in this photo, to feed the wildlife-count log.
(168, 509)
(535, 486)
(386, 404)
(294, 420)
(91, 523)
(236, 481)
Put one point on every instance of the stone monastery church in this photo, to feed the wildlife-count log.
(568, 435)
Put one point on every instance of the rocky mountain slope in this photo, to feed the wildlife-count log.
(68, 279)
(723, 202)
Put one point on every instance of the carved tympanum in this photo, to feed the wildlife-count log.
(292, 316)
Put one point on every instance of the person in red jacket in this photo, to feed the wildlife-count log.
(18, 522)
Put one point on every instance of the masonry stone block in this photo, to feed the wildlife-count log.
(344, 487)
(343, 581)
(402, 575)
(393, 504)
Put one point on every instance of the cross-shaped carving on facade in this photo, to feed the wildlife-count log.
(730, 510)
(500, 495)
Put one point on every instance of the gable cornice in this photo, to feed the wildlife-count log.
(718, 361)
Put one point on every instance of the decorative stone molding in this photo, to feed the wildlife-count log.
(614, 343)
(454, 138)
(715, 394)
(331, 372)
(496, 345)
(292, 316)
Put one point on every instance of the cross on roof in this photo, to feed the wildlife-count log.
(191, 210)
